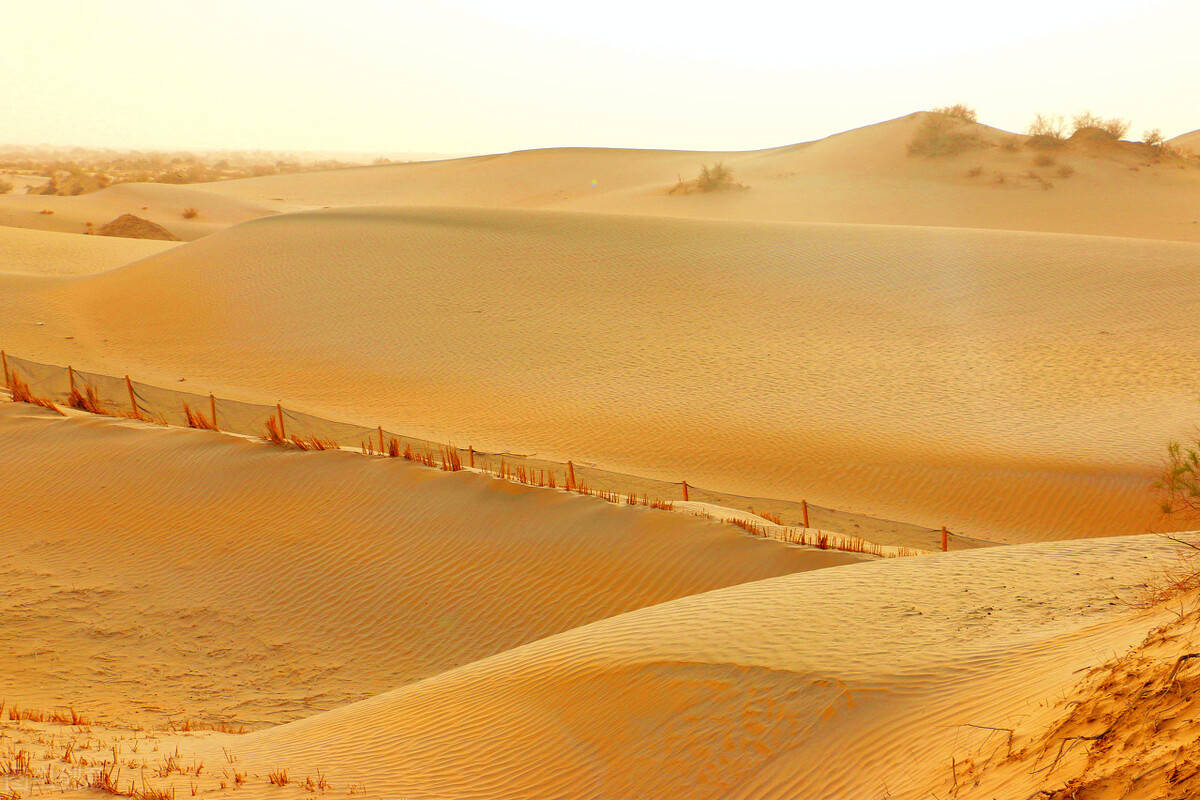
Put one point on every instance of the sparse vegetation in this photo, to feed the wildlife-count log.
(1180, 480)
(22, 394)
(941, 135)
(1154, 138)
(1113, 127)
(1065, 171)
(716, 178)
(958, 111)
(975, 172)
(1044, 160)
(190, 213)
(88, 400)
(196, 419)
(1047, 129)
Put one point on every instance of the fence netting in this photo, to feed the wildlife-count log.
(167, 406)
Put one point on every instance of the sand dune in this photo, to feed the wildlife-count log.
(861, 176)
(517, 643)
(161, 203)
(153, 573)
(34, 252)
(929, 340)
(1014, 386)
(851, 682)
(1189, 142)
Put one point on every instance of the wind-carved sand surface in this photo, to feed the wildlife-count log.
(510, 642)
(197, 575)
(1012, 385)
(876, 333)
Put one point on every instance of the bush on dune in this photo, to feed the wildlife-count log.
(716, 178)
(1047, 130)
(942, 134)
(959, 111)
(1085, 122)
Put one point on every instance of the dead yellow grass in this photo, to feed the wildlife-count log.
(22, 394)
(196, 419)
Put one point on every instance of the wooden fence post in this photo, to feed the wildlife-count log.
(212, 410)
(471, 454)
(945, 537)
(804, 505)
(685, 491)
(71, 377)
(570, 475)
(132, 399)
(279, 409)
(381, 450)
(7, 379)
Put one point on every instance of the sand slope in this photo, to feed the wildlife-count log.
(33, 252)
(1011, 385)
(1188, 142)
(161, 203)
(850, 682)
(864, 175)
(152, 573)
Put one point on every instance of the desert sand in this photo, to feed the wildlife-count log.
(980, 340)
(1013, 386)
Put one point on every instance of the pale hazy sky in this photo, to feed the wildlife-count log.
(473, 76)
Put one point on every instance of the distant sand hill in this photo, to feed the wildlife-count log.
(1188, 141)
(863, 176)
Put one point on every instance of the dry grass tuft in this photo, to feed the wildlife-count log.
(106, 779)
(31, 715)
(274, 435)
(69, 717)
(451, 461)
(190, 213)
(88, 400)
(313, 443)
(189, 725)
(22, 394)
(319, 785)
(278, 777)
(196, 419)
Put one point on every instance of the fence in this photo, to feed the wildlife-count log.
(798, 522)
